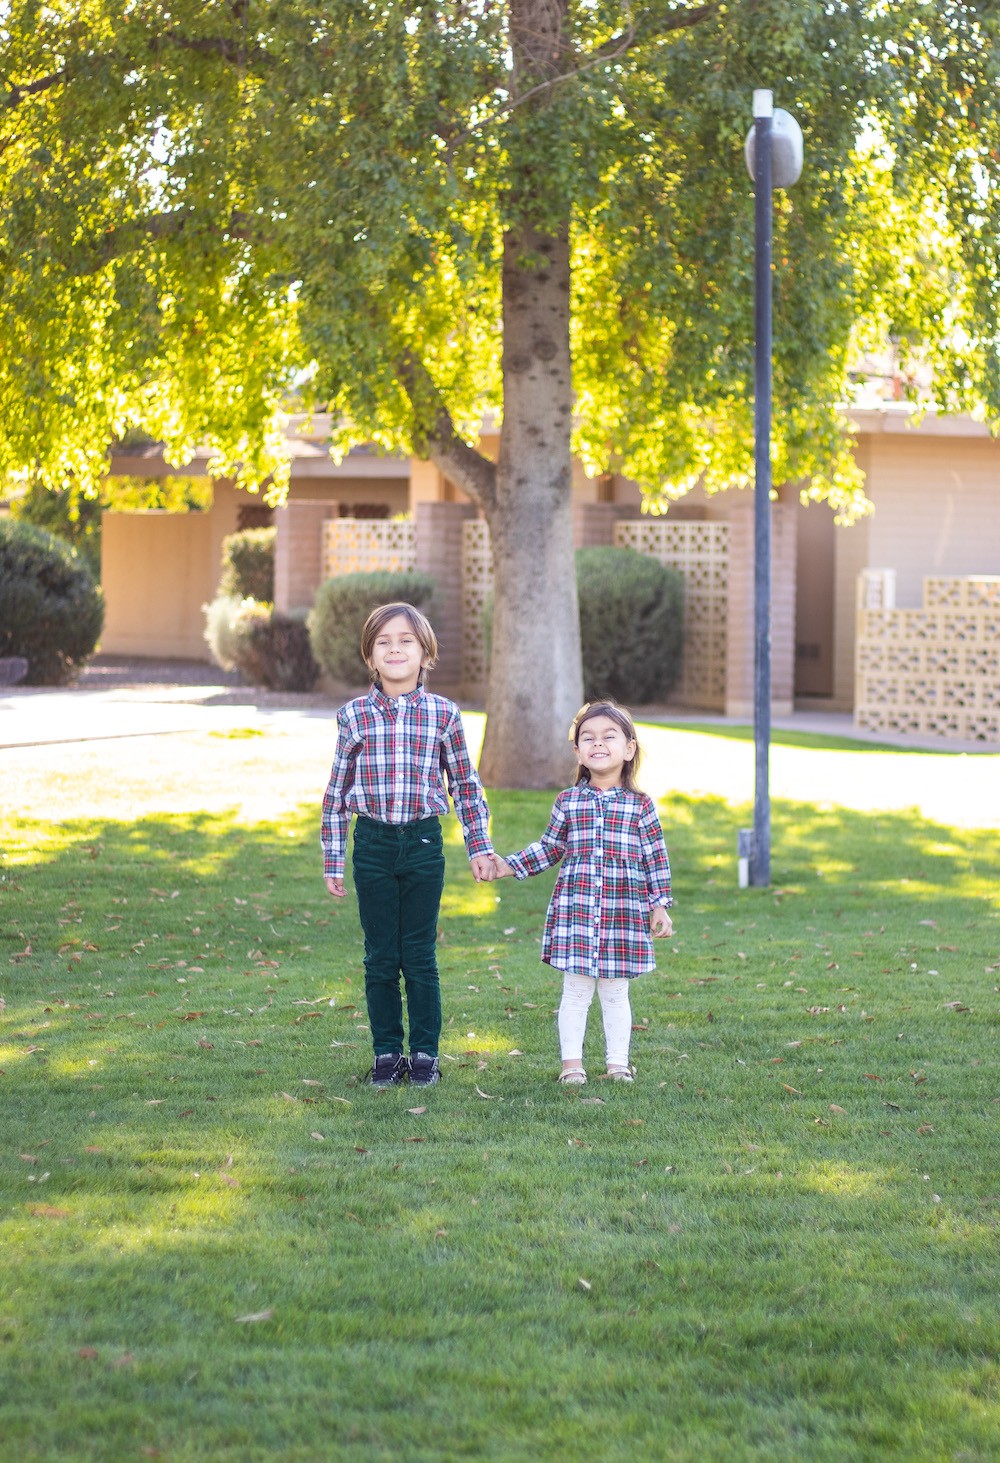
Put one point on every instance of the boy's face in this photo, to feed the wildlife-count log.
(397, 656)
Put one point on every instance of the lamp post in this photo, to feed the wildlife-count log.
(773, 152)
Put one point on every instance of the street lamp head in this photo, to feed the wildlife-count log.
(786, 148)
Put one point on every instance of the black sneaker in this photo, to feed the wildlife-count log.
(389, 1070)
(424, 1070)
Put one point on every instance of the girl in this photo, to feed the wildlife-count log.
(393, 746)
(613, 889)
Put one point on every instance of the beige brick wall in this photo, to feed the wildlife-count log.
(298, 551)
(740, 626)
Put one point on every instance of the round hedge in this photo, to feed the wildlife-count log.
(248, 565)
(631, 625)
(342, 606)
(51, 610)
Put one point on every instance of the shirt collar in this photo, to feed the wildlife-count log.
(391, 704)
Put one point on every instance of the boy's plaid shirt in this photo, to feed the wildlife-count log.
(392, 757)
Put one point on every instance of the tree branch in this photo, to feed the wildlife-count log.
(435, 436)
(16, 94)
(153, 228)
(618, 45)
(227, 49)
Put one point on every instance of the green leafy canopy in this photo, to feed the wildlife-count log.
(209, 211)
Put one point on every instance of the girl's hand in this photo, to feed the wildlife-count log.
(482, 868)
(660, 922)
(502, 867)
(335, 887)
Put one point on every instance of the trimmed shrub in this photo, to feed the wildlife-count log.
(221, 627)
(343, 605)
(273, 650)
(267, 648)
(248, 565)
(51, 610)
(631, 625)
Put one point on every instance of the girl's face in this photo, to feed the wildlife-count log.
(398, 656)
(603, 748)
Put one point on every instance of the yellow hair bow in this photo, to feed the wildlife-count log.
(577, 719)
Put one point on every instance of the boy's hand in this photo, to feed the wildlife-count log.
(482, 868)
(660, 922)
(335, 887)
(502, 868)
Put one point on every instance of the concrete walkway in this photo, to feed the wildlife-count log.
(122, 698)
(119, 698)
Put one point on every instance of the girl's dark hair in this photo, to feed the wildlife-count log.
(623, 720)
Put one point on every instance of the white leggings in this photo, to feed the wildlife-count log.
(578, 992)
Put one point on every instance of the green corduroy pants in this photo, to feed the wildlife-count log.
(399, 877)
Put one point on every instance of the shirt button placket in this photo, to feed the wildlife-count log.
(595, 944)
(399, 767)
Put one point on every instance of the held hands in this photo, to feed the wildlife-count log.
(487, 867)
(660, 922)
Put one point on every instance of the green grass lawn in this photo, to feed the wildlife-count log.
(781, 1243)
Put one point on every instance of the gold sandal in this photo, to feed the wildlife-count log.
(573, 1077)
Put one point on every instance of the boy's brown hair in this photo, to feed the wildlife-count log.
(623, 720)
(419, 624)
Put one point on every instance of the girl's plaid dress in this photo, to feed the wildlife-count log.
(615, 869)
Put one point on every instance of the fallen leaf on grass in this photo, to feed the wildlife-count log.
(227, 1178)
(440, 1233)
(835, 1108)
(871, 1077)
(584, 1284)
(635, 1122)
(416, 1111)
(515, 1053)
(488, 1095)
(925, 1128)
(88, 1353)
(414, 1140)
(955, 1006)
(48, 1211)
(192, 1015)
(345, 1100)
(28, 1157)
(320, 1137)
(311, 1082)
(253, 1317)
(127, 1358)
(794, 1090)
(594, 1101)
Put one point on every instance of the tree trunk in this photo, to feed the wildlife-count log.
(535, 683)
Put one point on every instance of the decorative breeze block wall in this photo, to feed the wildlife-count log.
(700, 550)
(362, 545)
(933, 670)
(477, 586)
